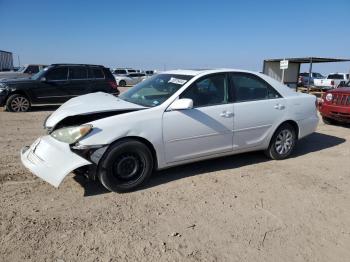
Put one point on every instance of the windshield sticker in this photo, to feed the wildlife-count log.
(177, 81)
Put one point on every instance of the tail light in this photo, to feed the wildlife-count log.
(113, 84)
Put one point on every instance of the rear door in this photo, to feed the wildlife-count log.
(257, 108)
(98, 80)
(79, 84)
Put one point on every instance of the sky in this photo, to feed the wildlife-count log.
(176, 34)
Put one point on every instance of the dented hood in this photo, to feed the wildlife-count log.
(90, 104)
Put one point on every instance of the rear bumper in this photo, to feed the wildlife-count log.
(51, 160)
(307, 126)
(339, 113)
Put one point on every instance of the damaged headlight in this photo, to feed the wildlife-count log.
(71, 135)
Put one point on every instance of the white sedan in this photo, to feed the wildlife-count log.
(130, 79)
(170, 119)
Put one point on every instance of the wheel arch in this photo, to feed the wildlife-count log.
(292, 123)
(19, 92)
(145, 142)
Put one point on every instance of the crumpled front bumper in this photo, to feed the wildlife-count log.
(51, 160)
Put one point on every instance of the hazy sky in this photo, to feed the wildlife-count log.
(175, 34)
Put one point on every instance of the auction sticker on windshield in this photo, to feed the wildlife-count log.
(177, 81)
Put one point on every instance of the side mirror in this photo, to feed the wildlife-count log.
(43, 79)
(182, 104)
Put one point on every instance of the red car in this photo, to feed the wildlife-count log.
(335, 105)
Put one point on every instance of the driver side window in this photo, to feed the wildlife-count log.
(211, 90)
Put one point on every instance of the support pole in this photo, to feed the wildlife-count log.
(310, 75)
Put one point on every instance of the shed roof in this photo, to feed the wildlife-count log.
(302, 60)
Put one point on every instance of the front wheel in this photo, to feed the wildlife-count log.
(125, 166)
(17, 103)
(282, 142)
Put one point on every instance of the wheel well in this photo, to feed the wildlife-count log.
(145, 142)
(18, 92)
(292, 123)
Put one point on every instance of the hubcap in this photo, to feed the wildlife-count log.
(284, 142)
(20, 104)
(128, 166)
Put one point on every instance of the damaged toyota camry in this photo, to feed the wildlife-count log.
(173, 118)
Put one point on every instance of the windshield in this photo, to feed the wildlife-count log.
(21, 69)
(155, 90)
(40, 74)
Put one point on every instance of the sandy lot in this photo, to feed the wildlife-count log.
(237, 208)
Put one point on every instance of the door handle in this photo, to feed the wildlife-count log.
(279, 107)
(226, 114)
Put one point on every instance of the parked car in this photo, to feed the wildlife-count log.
(123, 71)
(55, 85)
(304, 78)
(149, 72)
(332, 81)
(173, 118)
(130, 79)
(335, 105)
(23, 72)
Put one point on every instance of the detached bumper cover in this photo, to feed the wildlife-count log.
(51, 160)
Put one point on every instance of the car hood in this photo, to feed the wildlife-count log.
(95, 104)
(11, 75)
(343, 90)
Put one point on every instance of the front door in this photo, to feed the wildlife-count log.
(205, 129)
(53, 89)
(257, 108)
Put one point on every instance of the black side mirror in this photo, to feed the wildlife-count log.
(43, 79)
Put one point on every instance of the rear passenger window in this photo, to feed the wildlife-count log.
(78, 72)
(335, 76)
(249, 88)
(59, 73)
(98, 73)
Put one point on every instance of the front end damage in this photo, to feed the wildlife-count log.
(52, 158)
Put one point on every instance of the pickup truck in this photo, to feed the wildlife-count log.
(332, 81)
(23, 72)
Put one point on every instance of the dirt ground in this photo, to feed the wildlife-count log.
(237, 208)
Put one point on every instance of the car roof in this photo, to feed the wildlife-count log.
(67, 64)
(195, 72)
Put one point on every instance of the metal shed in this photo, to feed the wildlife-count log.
(6, 60)
(271, 67)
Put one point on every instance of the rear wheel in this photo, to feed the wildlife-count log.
(17, 103)
(122, 83)
(125, 166)
(282, 142)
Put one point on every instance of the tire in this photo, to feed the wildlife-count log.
(282, 143)
(328, 121)
(122, 83)
(125, 166)
(18, 103)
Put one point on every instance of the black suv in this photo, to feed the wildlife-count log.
(54, 85)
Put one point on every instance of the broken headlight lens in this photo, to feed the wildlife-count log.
(71, 135)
